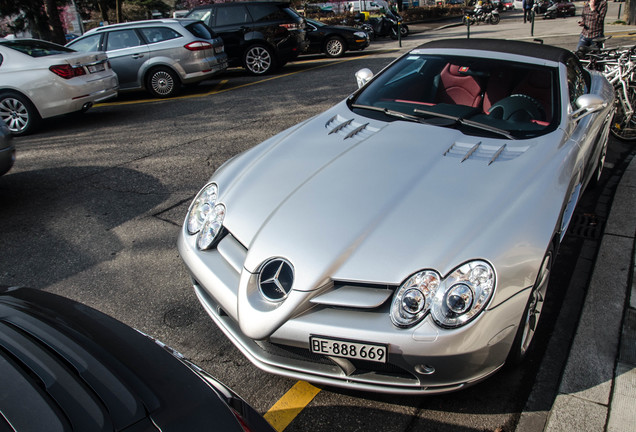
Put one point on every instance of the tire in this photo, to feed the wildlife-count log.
(494, 19)
(259, 60)
(162, 82)
(404, 31)
(335, 47)
(18, 113)
(524, 338)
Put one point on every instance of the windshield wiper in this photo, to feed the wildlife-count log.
(391, 113)
(466, 122)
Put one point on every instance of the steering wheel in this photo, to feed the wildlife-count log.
(518, 108)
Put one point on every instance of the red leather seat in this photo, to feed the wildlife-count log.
(458, 88)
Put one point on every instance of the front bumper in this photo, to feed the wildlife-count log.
(425, 359)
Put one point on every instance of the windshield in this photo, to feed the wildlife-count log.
(36, 48)
(479, 96)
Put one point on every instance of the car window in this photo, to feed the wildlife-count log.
(201, 30)
(576, 80)
(120, 39)
(230, 15)
(87, 44)
(480, 96)
(200, 14)
(267, 12)
(36, 48)
(159, 34)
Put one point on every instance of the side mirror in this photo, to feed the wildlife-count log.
(587, 104)
(363, 76)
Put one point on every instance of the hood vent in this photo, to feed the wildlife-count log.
(486, 153)
(348, 128)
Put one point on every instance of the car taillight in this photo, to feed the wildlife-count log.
(67, 71)
(290, 26)
(198, 46)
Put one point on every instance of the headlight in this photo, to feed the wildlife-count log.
(362, 35)
(453, 301)
(211, 227)
(201, 207)
(464, 294)
(413, 299)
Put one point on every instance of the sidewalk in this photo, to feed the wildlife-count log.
(597, 389)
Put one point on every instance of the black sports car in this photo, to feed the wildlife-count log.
(67, 367)
(334, 40)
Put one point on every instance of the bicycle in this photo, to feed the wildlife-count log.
(619, 67)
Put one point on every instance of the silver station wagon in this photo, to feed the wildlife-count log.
(402, 241)
(157, 55)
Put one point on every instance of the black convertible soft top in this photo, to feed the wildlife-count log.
(529, 49)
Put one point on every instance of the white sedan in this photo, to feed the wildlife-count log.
(39, 79)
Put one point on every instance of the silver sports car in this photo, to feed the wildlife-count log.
(402, 241)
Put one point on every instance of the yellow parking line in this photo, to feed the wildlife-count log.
(290, 405)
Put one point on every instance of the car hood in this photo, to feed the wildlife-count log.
(346, 198)
(79, 369)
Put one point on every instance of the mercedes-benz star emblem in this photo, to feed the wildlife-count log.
(275, 279)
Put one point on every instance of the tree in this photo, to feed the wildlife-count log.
(41, 17)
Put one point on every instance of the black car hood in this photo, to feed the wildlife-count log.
(66, 366)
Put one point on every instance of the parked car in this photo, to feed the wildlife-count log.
(40, 79)
(157, 55)
(402, 241)
(562, 8)
(66, 366)
(334, 41)
(7, 151)
(260, 36)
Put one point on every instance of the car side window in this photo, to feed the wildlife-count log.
(159, 34)
(231, 15)
(576, 80)
(87, 44)
(266, 12)
(120, 39)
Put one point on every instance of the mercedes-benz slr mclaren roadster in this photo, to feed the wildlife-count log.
(402, 241)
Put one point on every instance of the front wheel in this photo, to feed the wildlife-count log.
(259, 60)
(530, 319)
(404, 31)
(18, 113)
(494, 19)
(162, 82)
(335, 47)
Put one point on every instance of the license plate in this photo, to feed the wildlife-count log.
(96, 68)
(348, 349)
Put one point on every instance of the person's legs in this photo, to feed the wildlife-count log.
(583, 42)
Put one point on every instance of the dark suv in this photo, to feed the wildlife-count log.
(260, 36)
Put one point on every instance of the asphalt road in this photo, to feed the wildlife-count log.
(94, 204)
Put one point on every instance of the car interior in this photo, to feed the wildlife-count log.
(507, 95)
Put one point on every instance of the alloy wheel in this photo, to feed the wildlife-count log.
(15, 114)
(258, 60)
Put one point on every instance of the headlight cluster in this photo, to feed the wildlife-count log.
(452, 302)
(205, 217)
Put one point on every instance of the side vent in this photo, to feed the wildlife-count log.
(481, 152)
(348, 128)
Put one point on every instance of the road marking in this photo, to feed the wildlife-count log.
(218, 88)
(290, 405)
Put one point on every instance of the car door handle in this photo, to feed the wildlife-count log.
(137, 56)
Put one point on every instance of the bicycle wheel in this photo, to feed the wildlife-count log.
(624, 124)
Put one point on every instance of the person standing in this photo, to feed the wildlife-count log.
(593, 21)
(526, 5)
